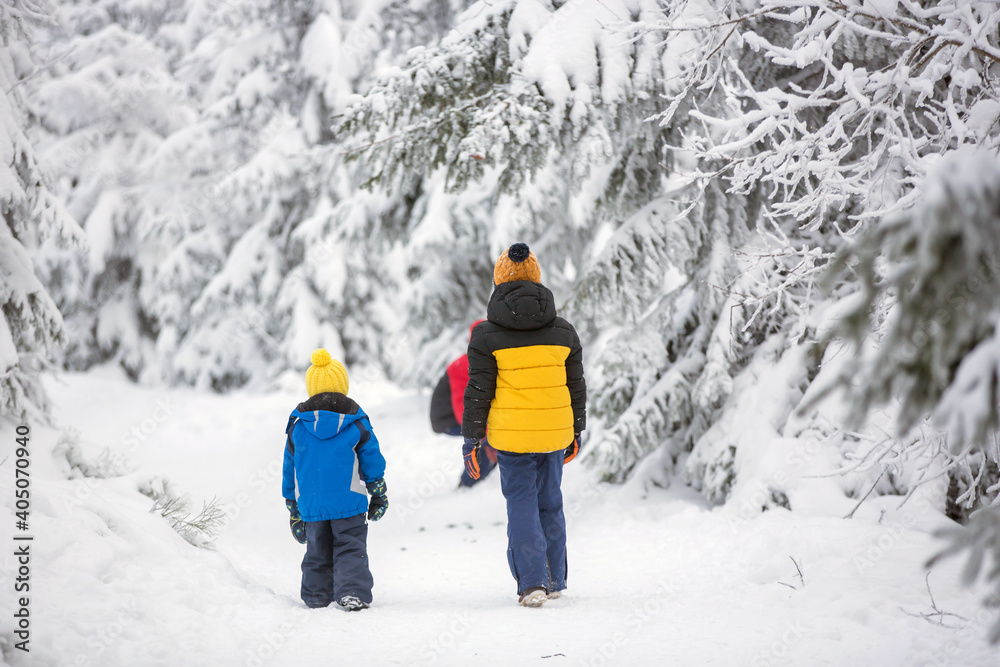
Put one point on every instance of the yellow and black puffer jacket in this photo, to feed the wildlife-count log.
(525, 373)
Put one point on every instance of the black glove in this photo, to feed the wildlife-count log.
(572, 449)
(379, 502)
(470, 453)
(295, 521)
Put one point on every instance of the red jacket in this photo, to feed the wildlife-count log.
(447, 402)
(458, 377)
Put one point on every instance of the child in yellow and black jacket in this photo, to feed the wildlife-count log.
(526, 384)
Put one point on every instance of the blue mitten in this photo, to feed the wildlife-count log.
(379, 502)
(296, 522)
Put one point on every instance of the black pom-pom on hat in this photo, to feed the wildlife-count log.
(517, 263)
(519, 252)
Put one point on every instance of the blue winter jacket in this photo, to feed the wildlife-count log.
(330, 453)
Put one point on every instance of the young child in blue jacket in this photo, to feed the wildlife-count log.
(330, 450)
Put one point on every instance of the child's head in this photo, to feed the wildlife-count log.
(325, 375)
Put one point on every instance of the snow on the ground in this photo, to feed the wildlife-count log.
(656, 576)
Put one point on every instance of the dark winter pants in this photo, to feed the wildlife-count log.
(336, 561)
(536, 527)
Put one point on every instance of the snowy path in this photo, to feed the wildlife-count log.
(654, 579)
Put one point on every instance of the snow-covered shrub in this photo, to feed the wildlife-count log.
(198, 529)
(69, 449)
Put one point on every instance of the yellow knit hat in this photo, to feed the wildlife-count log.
(517, 263)
(325, 374)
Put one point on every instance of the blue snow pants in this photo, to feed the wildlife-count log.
(536, 527)
(336, 561)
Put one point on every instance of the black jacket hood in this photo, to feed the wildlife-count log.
(521, 304)
(330, 402)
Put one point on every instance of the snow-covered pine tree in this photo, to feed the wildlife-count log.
(788, 145)
(245, 177)
(863, 116)
(932, 274)
(832, 113)
(534, 112)
(938, 266)
(545, 104)
(104, 106)
(197, 142)
(31, 328)
(279, 252)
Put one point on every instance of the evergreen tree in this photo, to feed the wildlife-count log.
(830, 118)
(104, 107)
(227, 239)
(545, 106)
(31, 329)
(930, 276)
(525, 134)
(279, 253)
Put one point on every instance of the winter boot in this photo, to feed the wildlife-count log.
(352, 603)
(533, 597)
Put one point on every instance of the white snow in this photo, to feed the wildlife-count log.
(321, 58)
(885, 8)
(575, 59)
(656, 577)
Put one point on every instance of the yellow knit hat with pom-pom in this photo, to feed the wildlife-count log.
(325, 374)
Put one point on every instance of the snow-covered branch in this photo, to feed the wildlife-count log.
(831, 106)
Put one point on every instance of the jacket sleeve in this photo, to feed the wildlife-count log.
(288, 467)
(371, 463)
(576, 384)
(482, 386)
(442, 414)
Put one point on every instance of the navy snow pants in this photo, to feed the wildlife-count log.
(336, 561)
(536, 527)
